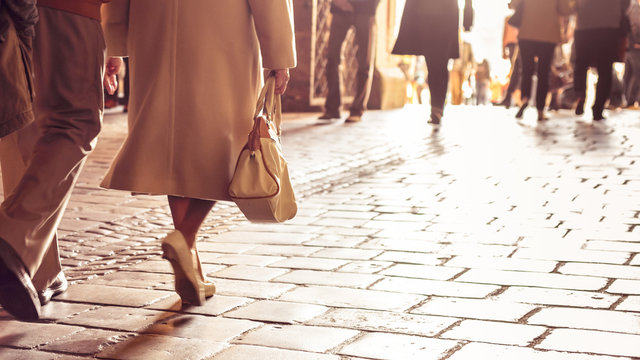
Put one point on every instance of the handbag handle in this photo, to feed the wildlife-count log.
(270, 104)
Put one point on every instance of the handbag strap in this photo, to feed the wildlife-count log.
(269, 103)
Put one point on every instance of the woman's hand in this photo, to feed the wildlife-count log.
(112, 68)
(282, 79)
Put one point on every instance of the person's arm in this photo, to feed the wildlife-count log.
(24, 15)
(274, 27)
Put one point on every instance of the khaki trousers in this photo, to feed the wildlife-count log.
(41, 163)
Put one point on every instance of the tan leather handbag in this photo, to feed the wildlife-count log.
(260, 185)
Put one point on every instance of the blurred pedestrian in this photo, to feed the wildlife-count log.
(539, 32)
(42, 161)
(191, 106)
(430, 28)
(631, 79)
(359, 15)
(600, 26)
(510, 51)
(461, 72)
(483, 80)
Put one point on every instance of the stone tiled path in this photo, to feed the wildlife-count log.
(490, 239)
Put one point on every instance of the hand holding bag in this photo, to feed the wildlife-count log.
(260, 185)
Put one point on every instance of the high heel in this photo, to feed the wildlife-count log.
(187, 284)
(207, 284)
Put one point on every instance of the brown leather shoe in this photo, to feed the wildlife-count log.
(354, 118)
(57, 287)
(17, 294)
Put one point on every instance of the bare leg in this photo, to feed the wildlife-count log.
(188, 215)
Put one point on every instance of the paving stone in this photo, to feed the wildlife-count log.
(435, 287)
(190, 326)
(263, 238)
(242, 352)
(629, 287)
(635, 260)
(560, 297)
(29, 335)
(152, 266)
(589, 341)
(474, 351)
(519, 278)
(494, 332)
(359, 214)
(349, 254)
(109, 295)
(85, 342)
(626, 246)
(216, 305)
(501, 263)
(399, 244)
(385, 321)
(603, 320)
(632, 303)
(329, 278)
(242, 259)
(576, 255)
(247, 272)
(118, 318)
(382, 225)
(365, 267)
(602, 270)
(283, 250)
(394, 346)
(422, 271)
(475, 309)
(222, 247)
(56, 310)
(309, 263)
(159, 347)
(297, 337)
(251, 289)
(132, 279)
(29, 354)
(412, 257)
(277, 312)
(333, 240)
(352, 298)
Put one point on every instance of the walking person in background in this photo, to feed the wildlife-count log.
(631, 79)
(41, 162)
(599, 26)
(359, 14)
(191, 106)
(483, 80)
(510, 51)
(540, 31)
(430, 28)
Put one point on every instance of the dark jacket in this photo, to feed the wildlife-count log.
(367, 7)
(430, 27)
(17, 20)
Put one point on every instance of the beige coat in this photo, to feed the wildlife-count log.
(195, 76)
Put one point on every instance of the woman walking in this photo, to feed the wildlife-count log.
(431, 28)
(599, 26)
(195, 77)
(540, 32)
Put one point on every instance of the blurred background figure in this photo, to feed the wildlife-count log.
(510, 51)
(431, 28)
(631, 79)
(461, 72)
(600, 27)
(540, 31)
(483, 80)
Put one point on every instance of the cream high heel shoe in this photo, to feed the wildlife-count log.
(187, 282)
(209, 286)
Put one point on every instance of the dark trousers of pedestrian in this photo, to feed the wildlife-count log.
(516, 72)
(364, 34)
(595, 47)
(438, 81)
(631, 77)
(529, 50)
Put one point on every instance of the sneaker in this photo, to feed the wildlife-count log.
(353, 118)
(329, 116)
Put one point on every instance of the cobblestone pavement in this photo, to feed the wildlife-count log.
(490, 239)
